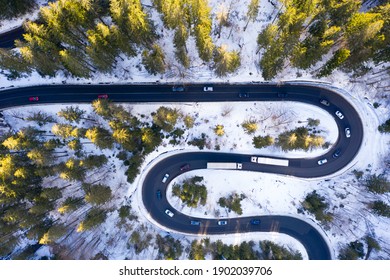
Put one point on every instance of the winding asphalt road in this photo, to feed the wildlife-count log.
(313, 241)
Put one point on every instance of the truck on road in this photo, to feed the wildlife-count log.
(270, 161)
(224, 165)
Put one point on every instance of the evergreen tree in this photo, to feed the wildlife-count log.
(226, 62)
(252, 12)
(339, 57)
(70, 204)
(94, 161)
(153, 60)
(11, 9)
(75, 62)
(54, 233)
(41, 157)
(262, 141)
(377, 183)
(352, 251)
(97, 194)
(14, 63)
(94, 218)
(361, 33)
(381, 208)
(100, 137)
(102, 47)
(72, 114)
(133, 23)
(166, 118)
(250, 126)
(204, 43)
(72, 170)
(62, 130)
(219, 130)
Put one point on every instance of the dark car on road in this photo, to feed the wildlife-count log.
(195, 223)
(337, 153)
(255, 222)
(243, 95)
(177, 88)
(184, 167)
(158, 194)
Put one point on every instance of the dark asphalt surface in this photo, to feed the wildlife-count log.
(311, 239)
(7, 39)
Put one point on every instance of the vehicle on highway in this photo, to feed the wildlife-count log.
(169, 213)
(337, 153)
(222, 223)
(184, 167)
(255, 222)
(33, 98)
(195, 223)
(243, 94)
(165, 178)
(339, 114)
(282, 94)
(158, 194)
(224, 165)
(103, 96)
(271, 161)
(322, 161)
(347, 132)
(324, 102)
(177, 88)
(208, 88)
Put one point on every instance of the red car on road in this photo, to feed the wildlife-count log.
(33, 98)
(102, 96)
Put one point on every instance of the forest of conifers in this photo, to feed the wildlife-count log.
(83, 37)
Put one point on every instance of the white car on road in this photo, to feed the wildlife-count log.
(169, 213)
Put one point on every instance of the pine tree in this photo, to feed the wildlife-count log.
(339, 57)
(54, 233)
(103, 108)
(72, 114)
(153, 60)
(41, 157)
(70, 204)
(94, 218)
(203, 23)
(71, 170)
(62, 130)
(166, 118)
(179, 40)
(102, 47)
(261, 142)
(361, 32)
(11, 9)
(253, 11)
(381, 208)
(100, 137)
(13, 62)
(132, 22)
(97, 194)
(75, 62)
(226, 62)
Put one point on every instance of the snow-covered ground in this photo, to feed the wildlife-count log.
(266, 193)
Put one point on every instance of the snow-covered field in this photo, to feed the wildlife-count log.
(266, 193)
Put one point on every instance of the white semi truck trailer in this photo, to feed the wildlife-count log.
(224, 165)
